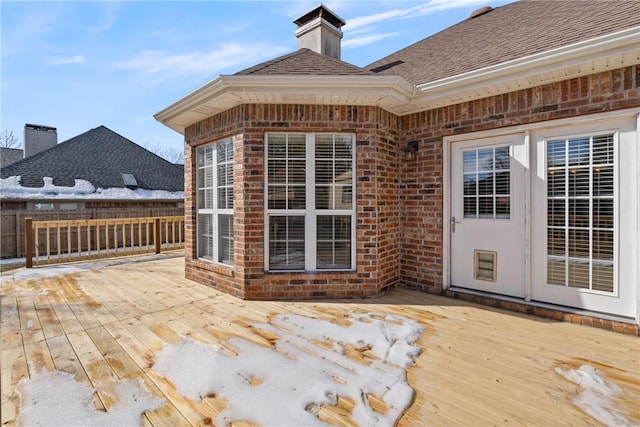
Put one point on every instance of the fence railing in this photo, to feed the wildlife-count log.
(49, 242)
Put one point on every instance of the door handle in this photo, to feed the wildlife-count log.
(453, 224)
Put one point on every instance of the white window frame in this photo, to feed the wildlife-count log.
(616, 215)
(310, 213)
(215, 211)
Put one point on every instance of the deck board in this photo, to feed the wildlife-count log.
(478, 366)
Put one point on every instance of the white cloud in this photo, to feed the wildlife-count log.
(228, 55)
(75, 59)
(365, 40)
(365, 30)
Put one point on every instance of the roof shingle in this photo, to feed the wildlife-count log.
(304, 61)
(99, 156)
(510, 32)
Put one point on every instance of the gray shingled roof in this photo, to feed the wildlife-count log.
(513, 31)
(305, 61)
(99, 156)
(10, 155)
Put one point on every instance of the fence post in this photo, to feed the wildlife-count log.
(28, 233)
(158, 233)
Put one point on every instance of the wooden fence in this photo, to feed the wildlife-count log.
(12, 236)
(57, 241)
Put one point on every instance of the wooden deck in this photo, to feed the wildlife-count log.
(479, 366)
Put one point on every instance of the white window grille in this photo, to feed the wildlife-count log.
(581, 209)
(310, 202)
(214, 199)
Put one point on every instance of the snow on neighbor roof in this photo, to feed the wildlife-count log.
(11, 188)
(99, 156)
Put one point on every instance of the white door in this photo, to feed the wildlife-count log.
(585, 218)
(488, 214)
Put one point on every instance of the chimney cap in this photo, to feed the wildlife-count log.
(321, 11)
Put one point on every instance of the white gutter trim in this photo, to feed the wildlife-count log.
(533, 63)
(288, 84)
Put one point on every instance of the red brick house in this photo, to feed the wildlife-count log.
(497, 160)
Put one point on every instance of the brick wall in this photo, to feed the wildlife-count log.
(399, 203)
(421, 191)
(378, 222)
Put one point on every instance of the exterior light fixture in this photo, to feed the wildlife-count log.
(411, 150)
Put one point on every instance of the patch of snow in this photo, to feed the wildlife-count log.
(286, 385)
(61, 269)
(11, 187)
(595, 394)
(73, 402)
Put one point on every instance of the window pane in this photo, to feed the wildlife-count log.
(225, 239)
(344, 147)
(470, 184)
(470, 207)
(603, 150)
(578, 151)
(503, 207)
(502, 159)
(503, 184)
(485, 207)
(333, 246)
(603, 213)
(286, 243)
(603, 181)
(556, 243)
(556, 213)
(485, 183)
(205, 237)
(485, 159)
(556, 153)
(469, 161)
(556, 183)
(579, 182)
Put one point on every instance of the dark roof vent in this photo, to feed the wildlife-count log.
(129, 180)
(480, 11)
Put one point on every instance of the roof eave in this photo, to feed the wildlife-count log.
(587, 57)
(226, 92)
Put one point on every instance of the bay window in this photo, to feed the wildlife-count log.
(310, 202)
(214, 163)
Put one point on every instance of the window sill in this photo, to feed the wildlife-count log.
(223, 269)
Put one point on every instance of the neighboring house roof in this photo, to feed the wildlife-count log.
(10, 155)
(513, 31)
(100, 156)
(305, 61)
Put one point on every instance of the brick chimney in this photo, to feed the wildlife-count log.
(38, 138)
(319, 30)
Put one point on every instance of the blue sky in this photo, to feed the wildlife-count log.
(76, 65)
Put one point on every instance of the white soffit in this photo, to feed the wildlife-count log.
(395, 94)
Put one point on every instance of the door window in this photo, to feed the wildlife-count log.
(487, 183)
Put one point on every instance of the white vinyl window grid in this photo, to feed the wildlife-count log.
(567, 269)
(214, 201)
(308, 214)
(493, 202)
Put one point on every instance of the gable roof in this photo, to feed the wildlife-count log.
(99, 156)
(305, 61)
(506, 33)
(10, 155)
